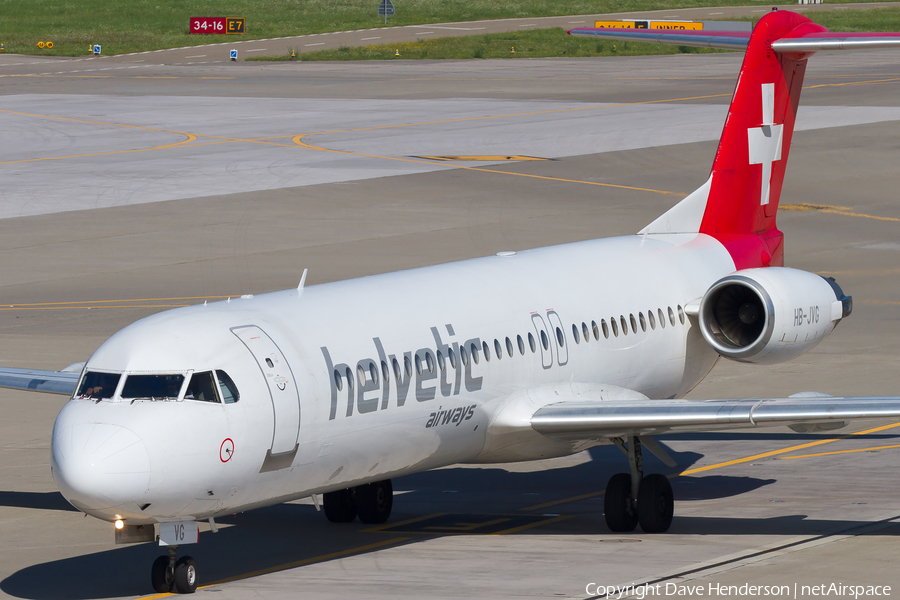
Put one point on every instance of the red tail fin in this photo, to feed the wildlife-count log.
(748, 171)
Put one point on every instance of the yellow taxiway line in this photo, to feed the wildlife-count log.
(740, 461)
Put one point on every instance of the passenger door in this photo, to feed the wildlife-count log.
(282, 390)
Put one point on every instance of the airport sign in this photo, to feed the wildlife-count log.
(216, 25)
(638, 24)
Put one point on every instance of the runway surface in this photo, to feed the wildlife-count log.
(169, 184)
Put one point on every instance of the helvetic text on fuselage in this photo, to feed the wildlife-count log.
(424, 365)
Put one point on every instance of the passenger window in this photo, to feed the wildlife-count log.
(595, 330)
(202, 387)
(349, 379)
(559, 337)
(652, 319)
(497, 349)
(373, 372)
(681, 314)
(633, 322)
(464, 356)
(441, 361)
(624, 324)
(575, 334)
(487, 351)
(671, 317)
(473, 348)
(452, 355)
(521, 344)
(98, 385)
(544, 341)
(429, 361)
(662, 318)
(585, 332)
(531, 342)
(418, 364)
(229, 391)
(407, 364)
(509, 347)
(338, 381)
(385, 372)
(162, 387)
(605, 328)
(396, 370)
(615, 327)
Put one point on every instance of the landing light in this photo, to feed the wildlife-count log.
(120, 524)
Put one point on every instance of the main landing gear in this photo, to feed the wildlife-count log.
(633, 498)
(372, 502)
(168, 575)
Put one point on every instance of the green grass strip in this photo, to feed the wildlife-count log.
(543, 43)
(123, 26)
(535, 43)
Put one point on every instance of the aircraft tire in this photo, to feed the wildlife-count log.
(186, 575)
(339, 506)
(618, 505)
(374, 501)
(161, 581)
(656, 504)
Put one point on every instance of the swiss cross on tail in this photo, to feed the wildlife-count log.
(764, 142)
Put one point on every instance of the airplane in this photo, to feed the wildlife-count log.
(200, 412)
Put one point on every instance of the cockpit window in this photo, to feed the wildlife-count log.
(229, 391)
(98, 385)
(157, 387)
(202, 387)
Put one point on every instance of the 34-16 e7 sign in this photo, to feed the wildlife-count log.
(216, 25)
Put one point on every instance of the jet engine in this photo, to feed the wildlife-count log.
(770, 315)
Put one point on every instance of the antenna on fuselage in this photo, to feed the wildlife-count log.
(302, 282)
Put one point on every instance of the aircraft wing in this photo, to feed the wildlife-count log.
(584, 420)
(49, 382)
(813, 41)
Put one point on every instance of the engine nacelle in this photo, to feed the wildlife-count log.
(770, 315)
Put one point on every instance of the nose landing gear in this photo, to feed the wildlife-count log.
(168, 575)
(632, 498)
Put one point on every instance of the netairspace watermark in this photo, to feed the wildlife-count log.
(713, 590)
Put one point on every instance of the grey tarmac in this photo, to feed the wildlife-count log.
(97, 255)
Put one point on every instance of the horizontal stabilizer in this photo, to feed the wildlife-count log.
(840, 41)
(724, 40)
(48, 382)
(797, 41)
(593, 420)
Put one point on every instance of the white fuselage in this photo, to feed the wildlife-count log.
(321, 406)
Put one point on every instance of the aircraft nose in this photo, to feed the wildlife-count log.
(99, 465)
